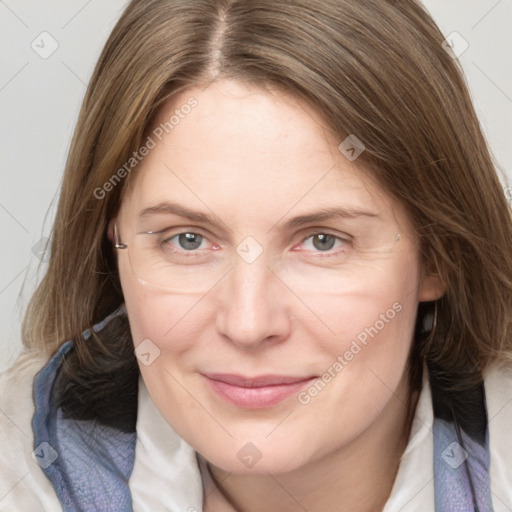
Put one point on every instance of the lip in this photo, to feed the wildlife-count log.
(257, 392)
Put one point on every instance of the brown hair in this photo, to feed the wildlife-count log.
(375, 69)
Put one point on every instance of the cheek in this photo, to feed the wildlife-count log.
(159, 317)
(170, 322)
(375, 307)
(364, 363)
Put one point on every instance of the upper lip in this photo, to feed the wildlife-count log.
(256, 381)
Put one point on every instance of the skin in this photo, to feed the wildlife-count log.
(254, 159)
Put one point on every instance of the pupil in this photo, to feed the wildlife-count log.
(323, 241)
(190, 241)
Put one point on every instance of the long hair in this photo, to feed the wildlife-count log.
(376, 69)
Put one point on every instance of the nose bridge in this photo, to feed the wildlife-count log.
(251, 282)
(252, 310)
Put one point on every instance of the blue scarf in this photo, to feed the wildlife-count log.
(89, 464)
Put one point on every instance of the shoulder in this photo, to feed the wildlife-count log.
(23, 485)
(498, 391)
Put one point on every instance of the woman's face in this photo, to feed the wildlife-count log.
(271, 284)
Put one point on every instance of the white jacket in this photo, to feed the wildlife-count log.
(157, 485)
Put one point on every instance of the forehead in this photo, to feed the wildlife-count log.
(249, 149)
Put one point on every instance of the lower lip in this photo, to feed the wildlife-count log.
(257, 397)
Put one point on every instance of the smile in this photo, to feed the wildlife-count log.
(255, 392)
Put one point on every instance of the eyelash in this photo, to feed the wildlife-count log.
(195, 253)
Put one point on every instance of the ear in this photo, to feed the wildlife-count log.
(110, 230)
(431, 288)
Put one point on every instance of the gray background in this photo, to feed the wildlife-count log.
(40, 98)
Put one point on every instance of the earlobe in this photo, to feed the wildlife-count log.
(431, 288)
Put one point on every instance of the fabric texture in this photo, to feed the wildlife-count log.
(461, 450)
(88, 463)
(92, 467)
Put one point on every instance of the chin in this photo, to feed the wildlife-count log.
(260, 456)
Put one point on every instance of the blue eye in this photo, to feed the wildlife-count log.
(191, 242)
(323, 242)
(186, 241)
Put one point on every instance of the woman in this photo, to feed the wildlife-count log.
(280, 274)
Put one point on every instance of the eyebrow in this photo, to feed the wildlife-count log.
(329, 213)
(205, 218)
(181, 211)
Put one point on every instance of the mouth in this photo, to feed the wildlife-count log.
(255, 392)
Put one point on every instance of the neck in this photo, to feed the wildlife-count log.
(358, 476)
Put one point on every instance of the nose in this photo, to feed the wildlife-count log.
(253, 306)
